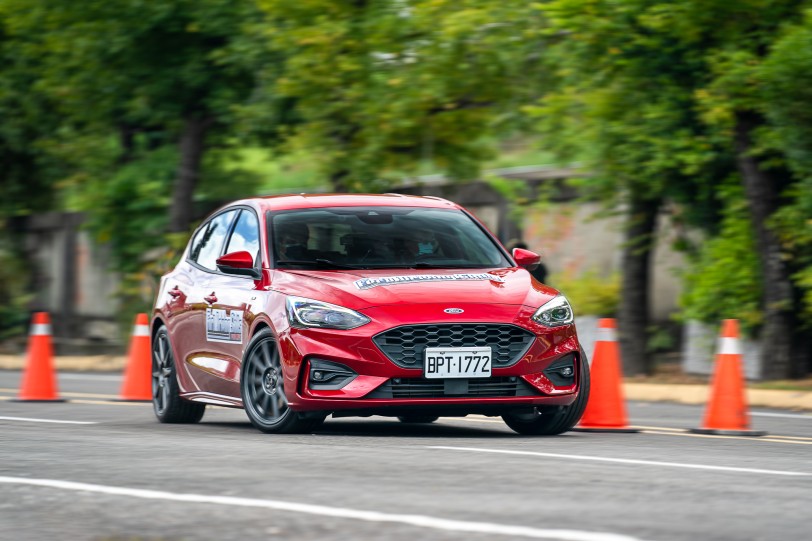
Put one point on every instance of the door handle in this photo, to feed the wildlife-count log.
(211, 299)
(175, 292)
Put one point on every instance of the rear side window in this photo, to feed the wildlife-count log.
(208, 243)
(245, 237)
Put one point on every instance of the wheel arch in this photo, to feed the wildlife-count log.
(157, 322)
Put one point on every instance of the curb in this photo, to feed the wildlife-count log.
(698, 395)
(91, 363)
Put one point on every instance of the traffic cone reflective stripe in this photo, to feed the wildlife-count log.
(137, 384)
(727, 412)
(606, 409)
(39, 379)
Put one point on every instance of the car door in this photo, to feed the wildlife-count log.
(234, 306)
(202, 361)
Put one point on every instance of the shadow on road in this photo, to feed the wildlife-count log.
(382, 428)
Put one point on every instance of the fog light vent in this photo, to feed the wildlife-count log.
(562, 372)
(329, 376)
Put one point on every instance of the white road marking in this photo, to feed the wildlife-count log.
(31, 420)
(421, 521)
(623, 461)
(787, 415)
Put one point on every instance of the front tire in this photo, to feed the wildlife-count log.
(263, 390)
(557, 420)
(169, 407)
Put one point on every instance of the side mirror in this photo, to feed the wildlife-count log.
(239, 264)
(526, 258)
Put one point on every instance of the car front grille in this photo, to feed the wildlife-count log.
(405, 345)
(493, 387)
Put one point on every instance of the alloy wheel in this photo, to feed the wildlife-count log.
(161, 372)
(264, 384)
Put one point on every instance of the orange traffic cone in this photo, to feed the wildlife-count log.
(137, 384)
(606, 410)
(39, 380)
(727, 413)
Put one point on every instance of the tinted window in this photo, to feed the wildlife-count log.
(381, 237)
(208, 243)
(246, 235)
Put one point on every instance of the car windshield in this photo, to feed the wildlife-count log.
(381, 237)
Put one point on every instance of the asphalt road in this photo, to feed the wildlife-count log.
(114, 473)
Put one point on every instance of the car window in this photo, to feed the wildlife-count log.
(208, 248)
(381, 237)
(245, 236)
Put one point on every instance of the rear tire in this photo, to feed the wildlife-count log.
(417, 419)
(556, 420)
(263, 390)
(169, 407)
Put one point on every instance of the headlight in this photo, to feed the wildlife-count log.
(554, 313)
(309, 313)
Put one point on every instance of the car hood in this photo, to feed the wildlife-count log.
(359, 289)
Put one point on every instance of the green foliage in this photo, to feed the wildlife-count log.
(590, 293)
(27, 174)
(622, 103)
(724, 281)
(14, 310)
(793, 223)
(380, 88)
(660, 339)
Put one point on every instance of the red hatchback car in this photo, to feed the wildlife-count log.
(298, 307)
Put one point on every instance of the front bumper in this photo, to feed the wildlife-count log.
(383, 387)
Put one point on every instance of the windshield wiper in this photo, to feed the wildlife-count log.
(317, 263)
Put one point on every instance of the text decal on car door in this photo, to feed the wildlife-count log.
(222, 326)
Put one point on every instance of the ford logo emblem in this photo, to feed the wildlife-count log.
(453, 310)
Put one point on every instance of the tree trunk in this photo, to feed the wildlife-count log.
(778, 361)
(192, 145)
(338, 180)
(633, 314)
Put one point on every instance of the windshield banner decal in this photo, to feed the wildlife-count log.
(369, 283)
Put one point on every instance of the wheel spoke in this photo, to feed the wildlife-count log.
(263, 402)
(266, 355)
(162, 352)
(274, 406)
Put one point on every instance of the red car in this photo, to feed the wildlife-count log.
(302, 306)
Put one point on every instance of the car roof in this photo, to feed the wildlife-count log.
(305, 201)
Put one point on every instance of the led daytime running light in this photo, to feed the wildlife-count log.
(304, 312)
(554, 313)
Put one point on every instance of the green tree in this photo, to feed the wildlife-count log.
(666, 100)
(381, 87)
(26, 172)
(150, 74)
(622, 102)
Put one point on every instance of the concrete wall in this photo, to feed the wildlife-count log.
(73, 282)
(574, 238)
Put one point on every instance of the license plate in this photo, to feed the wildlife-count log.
(457, 363)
